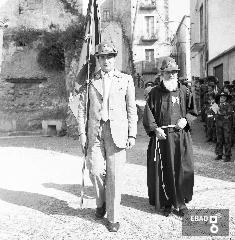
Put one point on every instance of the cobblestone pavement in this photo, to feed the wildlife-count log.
(40, 187)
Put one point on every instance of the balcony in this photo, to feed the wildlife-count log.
(152, 38)
(197, 47)
(148, 6)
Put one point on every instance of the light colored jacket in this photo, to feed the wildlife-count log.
(122, 109)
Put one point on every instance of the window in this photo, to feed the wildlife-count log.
(201, 23)
(149, 55)
(149, 26)
(106, 15)
(30, 5)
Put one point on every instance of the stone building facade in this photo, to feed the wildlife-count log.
(199, 37)
(146, 25)
(151, 39)
(29, 94)
(181, 48)
(212, 39)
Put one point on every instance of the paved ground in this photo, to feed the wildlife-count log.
(40, 181)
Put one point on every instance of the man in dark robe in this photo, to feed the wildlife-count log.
(167, 121)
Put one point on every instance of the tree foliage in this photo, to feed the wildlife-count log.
(71, 6)
(24, 36)
(53, 44)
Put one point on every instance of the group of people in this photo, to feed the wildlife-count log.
(107, 124)
(218, 113)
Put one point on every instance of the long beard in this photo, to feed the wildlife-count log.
(171, 85)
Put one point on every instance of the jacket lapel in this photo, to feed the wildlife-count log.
(97, 83)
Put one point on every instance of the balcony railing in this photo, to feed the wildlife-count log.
(197, 47)
(151, 38)
(148, 6)
(146, 67)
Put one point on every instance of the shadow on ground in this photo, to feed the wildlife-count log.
(53, 206)
(45, 204)
(131, 201)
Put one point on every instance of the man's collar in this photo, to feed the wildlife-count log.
(112, 73)
(98, 75)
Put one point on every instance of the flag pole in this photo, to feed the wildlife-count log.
(86, 66)
(92, 8)
(85, 150)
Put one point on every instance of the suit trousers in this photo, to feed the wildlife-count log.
(105, 162)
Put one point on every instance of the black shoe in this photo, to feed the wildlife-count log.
(219, 157)
(183, 211)
(100, 212)
(113, 227)
(227, 159)
(167, 211)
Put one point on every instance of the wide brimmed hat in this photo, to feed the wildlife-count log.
(106, 48)
(228, 96)
(169, 65)
(226, 82)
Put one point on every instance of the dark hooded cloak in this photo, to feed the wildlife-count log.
(170, 174)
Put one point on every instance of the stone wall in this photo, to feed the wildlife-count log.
(28, 93)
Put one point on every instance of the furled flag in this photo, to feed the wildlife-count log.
(87, 61)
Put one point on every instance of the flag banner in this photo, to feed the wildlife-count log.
(87, 62)
(73, 104)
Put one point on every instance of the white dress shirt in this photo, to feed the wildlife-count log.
(107, 80)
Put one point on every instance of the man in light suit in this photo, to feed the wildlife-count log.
(111, 129)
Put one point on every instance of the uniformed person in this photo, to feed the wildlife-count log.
(211, 110)
(224, 124)
(203, 91)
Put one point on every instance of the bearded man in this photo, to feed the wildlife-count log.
(167, 121)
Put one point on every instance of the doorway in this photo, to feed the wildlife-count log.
(218, 72)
